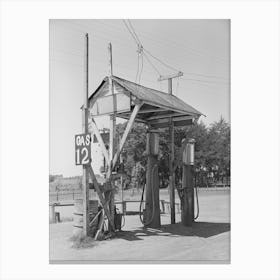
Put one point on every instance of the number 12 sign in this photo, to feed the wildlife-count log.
(82, 149)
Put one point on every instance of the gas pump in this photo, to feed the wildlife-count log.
(187, 190)
(151, 213)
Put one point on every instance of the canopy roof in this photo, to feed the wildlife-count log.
(157, 106)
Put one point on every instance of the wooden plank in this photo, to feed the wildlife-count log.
(100, 141)
(168, 108)
(126, 132)
(146, 111)
(100, 226)
(178, 115)
(174, 119)
(165, 123)
(127, 117)
(101, 198)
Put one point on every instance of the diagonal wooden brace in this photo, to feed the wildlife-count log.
(102, 199)
(126, 132)
(100, 141)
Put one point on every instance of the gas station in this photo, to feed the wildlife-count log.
(119, 98)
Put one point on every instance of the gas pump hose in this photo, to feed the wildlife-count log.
(197, 203)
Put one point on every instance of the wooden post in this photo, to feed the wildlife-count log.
(171, 161)
(121, 162)
(171, 143)
(112, 144)
(152, 207)
(85, 180)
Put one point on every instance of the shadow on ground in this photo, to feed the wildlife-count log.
(199, 229)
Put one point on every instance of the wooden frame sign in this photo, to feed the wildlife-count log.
(82, 149)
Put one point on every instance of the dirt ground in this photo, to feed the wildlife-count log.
(207, 241)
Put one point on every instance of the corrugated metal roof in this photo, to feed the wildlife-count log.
(153, 97)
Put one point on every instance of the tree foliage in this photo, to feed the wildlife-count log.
(212, 151)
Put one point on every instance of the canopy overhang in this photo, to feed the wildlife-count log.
(157, 110)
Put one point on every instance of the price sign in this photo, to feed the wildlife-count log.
(82, 149)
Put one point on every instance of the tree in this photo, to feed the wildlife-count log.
(212, 151)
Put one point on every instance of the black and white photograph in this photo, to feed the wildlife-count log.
(139, 141)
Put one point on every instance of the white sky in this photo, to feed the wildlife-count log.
(199, 48)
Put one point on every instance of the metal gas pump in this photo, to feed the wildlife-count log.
(187, 191)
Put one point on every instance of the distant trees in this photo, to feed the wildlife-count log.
(212, 152)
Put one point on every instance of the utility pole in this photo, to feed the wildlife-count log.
(171, 147)
(85, 180)
(112, 144)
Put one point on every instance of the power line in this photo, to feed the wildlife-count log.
(206, 76)
(163, 63)
(139, 44)
(153, 66)
(182, 46)
(130, 24)
(142, 63)
(131, 33)
(204, 81)
(199, 81)
(137, 68)
(136, 41)
(145, 50)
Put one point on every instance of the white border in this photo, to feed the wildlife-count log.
(255, 138)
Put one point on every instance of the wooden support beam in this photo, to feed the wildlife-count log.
(168, 116)
(146, 111)
(101, 198)
(171, 161)
(127, 117)
(177, 121)
(167, 108)
(171, 173)
(100, 141)
(126, 132)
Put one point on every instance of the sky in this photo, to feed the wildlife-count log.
(198, 48)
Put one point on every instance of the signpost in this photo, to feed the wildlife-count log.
(82, 149)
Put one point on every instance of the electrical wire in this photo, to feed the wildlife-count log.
(172, 44)
(153, 66)
(133, 30)
(137, 68)
(131, 33)
(137, 42)
(142, 65)
(159, 60)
